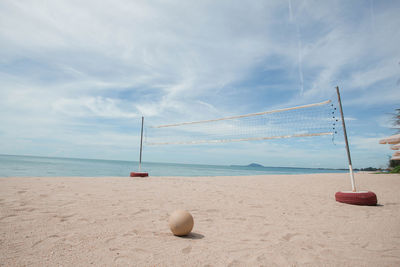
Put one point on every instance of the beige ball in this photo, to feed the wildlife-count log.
(181, 222)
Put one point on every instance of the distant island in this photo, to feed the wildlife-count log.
(255, 165)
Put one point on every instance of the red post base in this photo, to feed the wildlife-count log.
(366, 198)
(139, 174)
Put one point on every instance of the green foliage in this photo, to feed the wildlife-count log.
(394, 163)
(396, 170)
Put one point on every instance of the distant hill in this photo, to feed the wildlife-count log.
(254, 165)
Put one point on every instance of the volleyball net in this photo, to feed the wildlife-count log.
(316, 119)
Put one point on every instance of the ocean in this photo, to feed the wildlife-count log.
(22, 166)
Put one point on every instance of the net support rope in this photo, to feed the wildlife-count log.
(300, 121)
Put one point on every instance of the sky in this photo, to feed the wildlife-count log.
(77, 76)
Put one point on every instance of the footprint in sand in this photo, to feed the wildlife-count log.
(163, 218)
(289, 236)
(257, 216)
(25, 209)
(64, 218)
(131, 233)
(327, 233)
(235, 263)
(122, 261)
(67, 203)
(165, 234)
(365, 245)
(7, 216)
(109, 240)
(140, 250)
(187, 250)
(212, 210)
(140, 211)
(51, 238)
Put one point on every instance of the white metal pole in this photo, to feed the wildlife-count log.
(141, 145)
(353, 185)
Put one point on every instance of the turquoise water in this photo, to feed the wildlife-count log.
(11, 166)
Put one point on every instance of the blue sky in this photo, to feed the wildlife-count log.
(76, 76)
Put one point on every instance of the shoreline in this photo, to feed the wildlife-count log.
(26, 166)
(203, 176)
(271, 220)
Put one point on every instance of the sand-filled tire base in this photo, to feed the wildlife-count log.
(139, 174)
(364, 198)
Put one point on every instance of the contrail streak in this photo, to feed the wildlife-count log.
(300, 59)
(372, 13)
(290, 11)
(299, 47)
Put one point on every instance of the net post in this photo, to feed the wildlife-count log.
(353, 185)
(141, 145)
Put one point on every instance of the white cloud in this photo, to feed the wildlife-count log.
(70, 64)
(364, 79)
(92, 106)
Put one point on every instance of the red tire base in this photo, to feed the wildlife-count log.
(365, 198)
(139, 174)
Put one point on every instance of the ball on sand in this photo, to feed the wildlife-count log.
(181, 222)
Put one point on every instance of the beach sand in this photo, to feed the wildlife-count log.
(274, 220)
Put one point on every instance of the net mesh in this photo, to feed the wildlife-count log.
(309, 120)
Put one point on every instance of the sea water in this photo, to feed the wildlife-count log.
(21, 166)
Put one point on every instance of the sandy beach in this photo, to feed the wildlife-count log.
(275, 220)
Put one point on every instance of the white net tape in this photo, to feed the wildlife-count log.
(308, 120)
